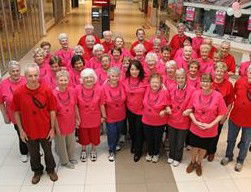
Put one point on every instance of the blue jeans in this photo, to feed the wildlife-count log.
(113, 133)
(233, 131)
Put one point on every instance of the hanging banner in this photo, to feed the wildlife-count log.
(190, 13)
(220, 17)
(249, 23)
(21, 6)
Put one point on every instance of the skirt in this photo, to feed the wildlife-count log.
(200, 142)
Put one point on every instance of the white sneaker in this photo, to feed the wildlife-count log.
(155, 158)
(111, 157)
(83, 156)
(170, 160)
(24, 158)
(122, 139)
(175, 163)
(118, 147)
(93, 156)
(148, 158)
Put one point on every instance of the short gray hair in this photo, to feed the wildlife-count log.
(62, 36)
(180, 71)
(62, 73)
(87, 72)
(156, 41)
(31, 66)
(89, 37)
(151, 56)
(171, 63)
(78, 47)
(107, 33)
(38, 51)
(89, 26)
(13, 64)
(97, 47)
(140, 46)
(113, 70)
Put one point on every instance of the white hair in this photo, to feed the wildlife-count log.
(87, 73)
(156, 41)
(171, 63)
(12, 64)
(31, 66)
(62, 36)
(181, 25)
(113, 70)
(78, 48)
(89, 26)
(139, 47)
(89, 37)
(151, 56)
(97, 47)
(39, 51)
(107, 33)
(62, 73)
(180, 71)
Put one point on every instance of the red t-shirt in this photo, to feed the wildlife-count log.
(108, 46)
(240, 114)
(176, 43)
(35, 107)
(82, 40)
(147, 45)
(230, 62)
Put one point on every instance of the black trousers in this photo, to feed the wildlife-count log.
(214, 143)
(153, 136)
(136, 132)
(35, 157)
(177, 139)
(22, 146)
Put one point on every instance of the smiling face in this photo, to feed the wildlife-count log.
(114, 78)
(62, 82)
(105, 61)
(32, 76)
(180, 79)
(204, 54)
(219, 73)
(166, 55)
(188, 52)
(90, 43)
(151, 63)
(55, 67)
(225, 48)
(64, 43)
(155, 84)
(141, 35)
(170, 70)
(47, 49)
(14, 73)
(193, 69)
(116, 55)
(39, 59)
(119, 43)
(89, 81)
(79, 65)
(134, 71)
(99, 53)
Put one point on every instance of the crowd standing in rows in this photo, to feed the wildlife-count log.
(181, 88)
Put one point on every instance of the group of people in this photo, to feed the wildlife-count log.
(181, 88)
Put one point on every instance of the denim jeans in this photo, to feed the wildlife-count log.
(113, 133)
(233, 131)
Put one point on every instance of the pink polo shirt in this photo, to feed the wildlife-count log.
(114, 98)
(50, 80)
(94, 63)
(102, 75)
(7, 88)
(182, 63)
(206, 66)
(44, 71)
(74, 77)
(89, 102)
(206, 108)
(168, 82)
(153, 103)
(66, 114)
(135, 90)
(179, 100)
(65, 56)
(194, 82)
(244, 68)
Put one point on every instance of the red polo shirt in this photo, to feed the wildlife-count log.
(176, 43)
(82, 40)
(240, 114)
(147, 45)
(34, 107)
(87, 54)
(230, 62)
(108, 46)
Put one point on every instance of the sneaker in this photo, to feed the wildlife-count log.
(169, 160)
(176, 163)
(118, 147)
(36, 178)
(83, 156)
(155, 158)
(93, 156)
(149, 158)
(74, 161)
(53, 176)
(238, 167)
(225, 161)
(111, 157)
(24, 158)
(122, 139)
(69, 165)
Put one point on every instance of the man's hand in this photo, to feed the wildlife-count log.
(23, 136)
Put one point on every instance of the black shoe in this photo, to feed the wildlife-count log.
(136, 158)
(250, 148)
(239, 145)
(132, 150)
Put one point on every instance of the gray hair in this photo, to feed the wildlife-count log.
(97, 47)
(151, 56)
(171, 63)
(62, 73)
(89, 26)
(113, 70)
(31, 66)
(181, 25)
(156, 41)
(89, 37)
(13, 64)
(180, 71)
(39, 51)
(78, 48)
(87, 72)
(139, 47)
(62, 36)
(107, 33)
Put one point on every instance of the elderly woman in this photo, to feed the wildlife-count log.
(169, 76)
(108, 43)
(77, 64)
(78, 50)
(178, 121)
(206, 64)
(114, 99)
(91, 111)
(208, 109)
(152, 66)
(225, 87)
(209, 41)
(65, 53)
(244, 66)
(227, 57)
(239, 119)
(197, 40)
(140, 53)
(38, 56)
(105, 66)
(135, 90)
(116, 59)
(193, 75)
(165, 55)
(180, 51)
(95, 61)
(183, 61)
(46, 46)
(119, 43)
(160, 34)
(88, 49)
(154, 116)
(89, 30)
(157, 47)
(7, 88)
(66, 120)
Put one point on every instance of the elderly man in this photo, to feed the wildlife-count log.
(178, 39)
(227, 57)
(140, 33)
(108, 43)
(89, 30)
(34, 106)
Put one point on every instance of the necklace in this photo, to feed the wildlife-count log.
(181, 98)
(154, 101)
(115, 97)
(205, 104)
(64, 101)
(133, 85)
(87, 97)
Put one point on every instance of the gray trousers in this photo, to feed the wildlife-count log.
(65, 147)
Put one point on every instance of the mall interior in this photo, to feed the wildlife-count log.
(23, 28)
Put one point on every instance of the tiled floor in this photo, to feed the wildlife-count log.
(124, 175)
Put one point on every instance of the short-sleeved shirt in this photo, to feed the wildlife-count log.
(176, 43)
(65, 56)
(230, 62)
(35, 107)
(244, 68)
(206, 65)
(147, 45)
(108, 46)
(102, 75)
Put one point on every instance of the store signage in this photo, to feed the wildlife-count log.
(249, 23)
(101, 3)
(220, 17)
(190, 13)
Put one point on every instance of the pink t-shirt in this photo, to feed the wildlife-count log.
(47, 59)
(7, 88)
(168, 82)
(74, 77)
(153, 103)
(102, 75)
(180, 53)
(244, 68)
(182, 63)
(50, 80)
(89, 102)
(206, 66)
(44, 71)
(116, 63)
(66, 114)
(135, 90)
(65, 56)
(196, 43)
(94, 63)
(163, 40)
(114, 98)
(157, 69)
(179, 100)
(194, 82)
(206, 108)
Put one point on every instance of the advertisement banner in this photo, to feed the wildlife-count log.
(220, 17)
(190, 13)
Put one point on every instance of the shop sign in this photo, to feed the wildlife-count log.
(249, 23)
(190, 13)
(220, 17)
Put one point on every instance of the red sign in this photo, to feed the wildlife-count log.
(190, 13)
(249, 23)
(101, 2)
(220, 17)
